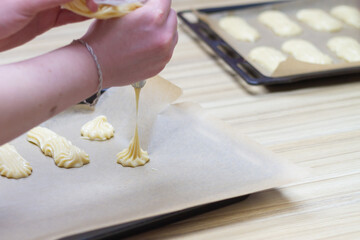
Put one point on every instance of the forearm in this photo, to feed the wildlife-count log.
(35, 90)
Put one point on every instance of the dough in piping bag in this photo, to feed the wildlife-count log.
(12, 165)
(104, 11)
(59, 148)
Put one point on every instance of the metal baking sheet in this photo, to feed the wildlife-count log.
(235, 52)
(144, 225)
(195, 160)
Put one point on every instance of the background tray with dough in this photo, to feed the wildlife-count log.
(204, 23)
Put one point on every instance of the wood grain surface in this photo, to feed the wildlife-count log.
(314, 124)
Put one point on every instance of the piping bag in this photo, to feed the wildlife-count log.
(142, 83)
(117, 2)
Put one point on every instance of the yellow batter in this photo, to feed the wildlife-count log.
(59, 148)
(134, 156)
(267, 57)
(346, 48)
(12, 165)
(239, 28)
(319, 20)
(305, 51)
(98, 129)
(280, 23)
(104, 11)
(347, 14)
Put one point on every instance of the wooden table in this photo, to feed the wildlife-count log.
(314, 124)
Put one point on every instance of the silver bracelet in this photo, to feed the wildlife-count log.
(91, 51)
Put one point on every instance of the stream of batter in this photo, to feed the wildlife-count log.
(134, 156)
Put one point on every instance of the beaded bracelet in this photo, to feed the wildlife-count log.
(91, 51)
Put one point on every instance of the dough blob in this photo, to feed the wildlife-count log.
(347, 14)
(59, 148)
(305, 51)
(267, 57)
(104, 11)
(346, 48)
(12, 165)
(319, 20)
(279, 23)
(239, 29)
(97, 129)
(134, 156)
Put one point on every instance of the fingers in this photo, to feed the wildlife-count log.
(159, 4)
(172, 27)
(36, 6)
(91, 5)
(161, 8)
(66, 17)
(172, 20)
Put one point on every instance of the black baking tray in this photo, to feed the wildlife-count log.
(237, 62)
(136, 227)
(144, 225)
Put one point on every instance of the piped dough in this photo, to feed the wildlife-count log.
(134, 156)
(279, 23)
(59, 148)
(349, 15)
(239, 28)
(98, 129)
(319, 20)
(305, 51)
(12, 165)
(346, 48)
(104, 11)
(267, 57)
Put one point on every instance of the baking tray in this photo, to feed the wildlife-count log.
(140, 226)
(238, 62)
(144, 225)
(96, 197)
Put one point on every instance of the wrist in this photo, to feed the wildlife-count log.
(87, 65)
(98, 70)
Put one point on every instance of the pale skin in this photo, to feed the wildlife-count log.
(34, 90)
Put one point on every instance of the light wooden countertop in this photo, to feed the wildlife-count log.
(314, 124)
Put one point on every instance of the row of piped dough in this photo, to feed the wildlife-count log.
(283, 26)
(269, 58)
(64, 153)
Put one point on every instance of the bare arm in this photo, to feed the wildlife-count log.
(130, 49)
(35, 90)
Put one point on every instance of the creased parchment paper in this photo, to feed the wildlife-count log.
(194, 159)
(291, 66)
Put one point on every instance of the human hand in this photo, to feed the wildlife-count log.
(21, 20)
(136, 46)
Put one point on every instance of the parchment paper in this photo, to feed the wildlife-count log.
(194, 159)
(290, 66)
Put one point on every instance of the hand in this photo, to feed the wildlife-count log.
(136, 46)
(23, 20)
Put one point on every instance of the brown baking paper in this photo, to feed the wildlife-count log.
(194, 159)
(291, 66)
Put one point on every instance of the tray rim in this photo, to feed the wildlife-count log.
(144, 225)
